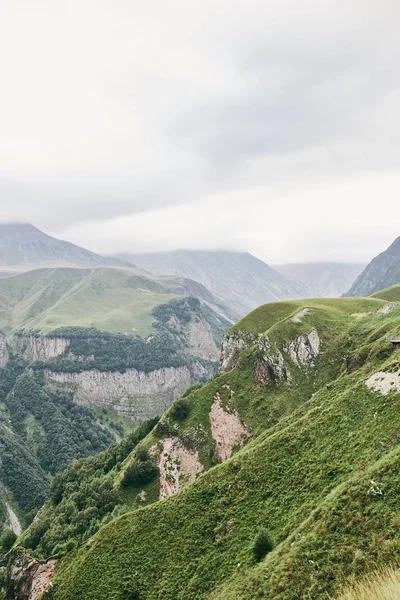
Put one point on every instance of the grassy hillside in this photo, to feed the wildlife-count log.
(319, 473)
(109, 299)
(384, 585)
(391, 294)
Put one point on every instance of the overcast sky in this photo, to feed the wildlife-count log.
(266, 126)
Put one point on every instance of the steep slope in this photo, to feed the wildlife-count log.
(74, 373)
(383, 271)
(324, 279)
(23, 245)
(239, 279)
(41, 432)
(298, 436)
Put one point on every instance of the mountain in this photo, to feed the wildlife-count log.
(121, 339)
(110, 299)
(239, 279)
(324, 279)
(285, 463)
(382, 272)
(86, 354)
(23, 245)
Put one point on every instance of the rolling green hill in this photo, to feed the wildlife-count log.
(299, 439)
(110, 299)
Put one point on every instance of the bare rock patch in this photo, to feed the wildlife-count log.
(177, 466)
(299, 316)
(384, 382)
(227, 429)
(305, 348)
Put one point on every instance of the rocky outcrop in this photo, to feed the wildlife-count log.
(200, 340)
(299, 316)
(12, 521)
(386, 308)
(29, 578)
(384, 382)
(4, 357)
(227, 429)
(270, 363)
(177, 466)
(133, 393)
(197, 337)
(270, 366)
(304, 349)
(232, 343)
(34, 348)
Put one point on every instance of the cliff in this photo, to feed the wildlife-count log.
(4, 356)
(33, 347)
(133, 394)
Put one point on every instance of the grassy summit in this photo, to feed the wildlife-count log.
(318, 391)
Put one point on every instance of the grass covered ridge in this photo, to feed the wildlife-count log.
(321, 476)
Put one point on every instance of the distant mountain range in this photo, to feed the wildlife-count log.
(238, 279)
(324, 279)
(23, 245)
(383, 271)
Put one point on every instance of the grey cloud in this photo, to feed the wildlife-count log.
(298, 88)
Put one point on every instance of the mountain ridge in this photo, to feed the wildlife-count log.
(383, 271)
(239, 279)
(24, 245)
(325, 279)
(294, 437)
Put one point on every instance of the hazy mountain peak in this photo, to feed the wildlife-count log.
(23, 244)
(325, 279)
(238, 278)
(382, 272)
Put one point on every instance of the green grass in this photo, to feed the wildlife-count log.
(110, 299)
(305, 477)
(391, 294)
(264, 317)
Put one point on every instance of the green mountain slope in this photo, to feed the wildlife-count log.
(41, 432)
(110, 299)
(318, 470)
(241, 281)
(383, 271)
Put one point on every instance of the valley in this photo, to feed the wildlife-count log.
(131, 399)
(311, 445)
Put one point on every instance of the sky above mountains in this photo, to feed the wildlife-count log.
(241, 124)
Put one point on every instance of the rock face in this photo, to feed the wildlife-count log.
(177, 465)
(40, 348)
(382, 272)
(227, 429)
(4, 357)
(29, 578)
(133, 394)
(304, 348)
(384, 382)
(12, 521)
(200, 340)
(232, 344)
